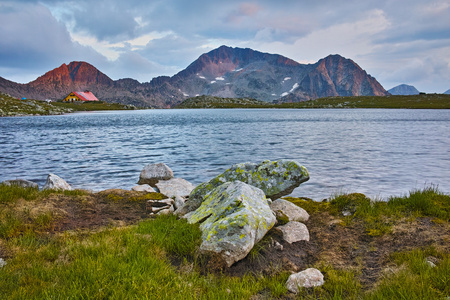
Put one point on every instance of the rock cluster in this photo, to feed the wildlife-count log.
(234, 210)
(159, 178)
(53, 182)
(274, 178)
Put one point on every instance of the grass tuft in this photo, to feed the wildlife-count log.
(175, 236)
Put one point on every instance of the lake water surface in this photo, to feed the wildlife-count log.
(378, 152)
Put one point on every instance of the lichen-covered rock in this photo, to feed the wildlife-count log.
(286, 211)
(308, 278)
(274, 178)
(143, 188)
(233, 217)
(54, 182)
(22, 183)
(294, 231)
(153, 173)
(175, 187)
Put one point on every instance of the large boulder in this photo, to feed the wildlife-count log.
(153, 173)
(22, 183)
(286, 211)
(233, 217)
(175, 187)
(308, 278)
(274, 178)
(55, 182)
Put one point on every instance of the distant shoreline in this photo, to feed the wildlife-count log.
(12, 107)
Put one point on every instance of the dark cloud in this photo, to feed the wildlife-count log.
(31, 39)
(395, 40)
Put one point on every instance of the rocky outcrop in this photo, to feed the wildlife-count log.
(55, 182)
(223, 72)
(153, 173)
(233, 218)
(286, 211)
(274, 178)
(22, 183)
(308, 278)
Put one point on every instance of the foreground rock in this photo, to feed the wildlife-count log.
(308, 278)
(160, 207)
(153, 173)
(55, 182)
(22, 183)
(233, 217)
(175, 187)
(274, 178)
(294, 232)
(143, 188)
(286, 211)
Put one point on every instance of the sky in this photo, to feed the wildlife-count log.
(395, 41)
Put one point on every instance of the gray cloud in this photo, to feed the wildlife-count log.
(395, 40)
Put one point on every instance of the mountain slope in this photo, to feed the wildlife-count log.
(222, 72)
(404, 89)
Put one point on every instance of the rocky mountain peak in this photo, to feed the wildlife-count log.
(223, 72)
(404, 89)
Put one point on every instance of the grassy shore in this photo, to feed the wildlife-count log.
(84, 245)
(428, 101)
(10, 106)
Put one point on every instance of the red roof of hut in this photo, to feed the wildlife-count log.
(86, 96)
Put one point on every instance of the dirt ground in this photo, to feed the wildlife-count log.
(342, 246)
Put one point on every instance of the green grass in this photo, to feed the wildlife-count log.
(13, 193)
(137, 262)
(93, 106)
(414, 278)
(428, 101)
(380, 216)
(10, 106)
(126, 263)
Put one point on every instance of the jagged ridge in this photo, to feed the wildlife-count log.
(224, 72)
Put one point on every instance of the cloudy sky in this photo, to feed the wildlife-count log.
(396, 41)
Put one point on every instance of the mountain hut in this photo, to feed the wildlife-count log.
(80, 97)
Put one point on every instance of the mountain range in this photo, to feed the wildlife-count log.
(404, 89)
(223, 72)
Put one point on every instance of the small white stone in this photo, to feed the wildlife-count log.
(2, 263)
(308, 278)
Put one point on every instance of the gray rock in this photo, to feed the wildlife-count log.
(175, 187)
(153, 173)
(286, 211)
(308, 278)
(22, 183)
(233, 217)
(55, 182)
(143, 188)
(179, 201)
(2, 263)
(294, 231)
(274, 178)
(166, 211)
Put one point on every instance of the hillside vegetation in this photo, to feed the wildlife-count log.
(427, 101)
(84, 245)
(10, 106)
(218, 102)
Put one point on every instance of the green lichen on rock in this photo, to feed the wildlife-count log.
(274, 178)
(233, 217)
